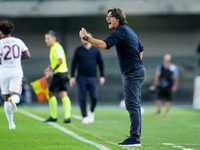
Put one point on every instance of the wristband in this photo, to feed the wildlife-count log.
(86, 38)
(55, 68)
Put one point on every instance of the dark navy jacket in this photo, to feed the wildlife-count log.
(128, 48)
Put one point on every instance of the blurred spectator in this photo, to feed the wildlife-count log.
(86, 58)
(166, 81)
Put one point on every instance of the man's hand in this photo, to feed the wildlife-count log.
(101, 80)
(72, 81)
(82, 32)
(174, 88)
(48, 72)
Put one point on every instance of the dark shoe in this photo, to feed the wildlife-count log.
(130, 142)
(51, 120)
(67, 120)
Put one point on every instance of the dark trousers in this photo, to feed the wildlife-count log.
(87, 84)
(132, 84)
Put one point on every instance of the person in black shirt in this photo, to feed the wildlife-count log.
(86, 58)
(130, 53)
(166, 81)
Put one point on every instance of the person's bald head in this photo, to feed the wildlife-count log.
(166, 59)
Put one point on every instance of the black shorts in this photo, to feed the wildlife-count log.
(164, 93)
(59, 82)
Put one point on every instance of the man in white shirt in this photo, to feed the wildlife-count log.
(12, 50)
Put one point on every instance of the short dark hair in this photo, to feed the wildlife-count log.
(118, 14)
(6, 27)
(52, 33)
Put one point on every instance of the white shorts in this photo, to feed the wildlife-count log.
(11, 84)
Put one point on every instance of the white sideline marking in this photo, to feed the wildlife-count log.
(173, 145)
(167, 143)
(178, 147)
(102, 147)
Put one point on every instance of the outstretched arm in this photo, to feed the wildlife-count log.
(97, 43)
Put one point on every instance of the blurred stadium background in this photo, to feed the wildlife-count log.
(163, 26)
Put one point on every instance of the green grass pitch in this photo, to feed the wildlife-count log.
(181, 129)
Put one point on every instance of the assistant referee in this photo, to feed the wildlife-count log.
(59, 71)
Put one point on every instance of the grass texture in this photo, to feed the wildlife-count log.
(180, 130)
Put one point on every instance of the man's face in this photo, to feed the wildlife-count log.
(49, 40)
(166, 60)
(112, 21)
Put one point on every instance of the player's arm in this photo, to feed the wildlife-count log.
(175, 84)
(176, 78)
(59, 63)
(25, 55)
(156, 78)
(101, 68)
(97, 43)
(141, 49)
(48, 71)
(141, 55)
(72, 80)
